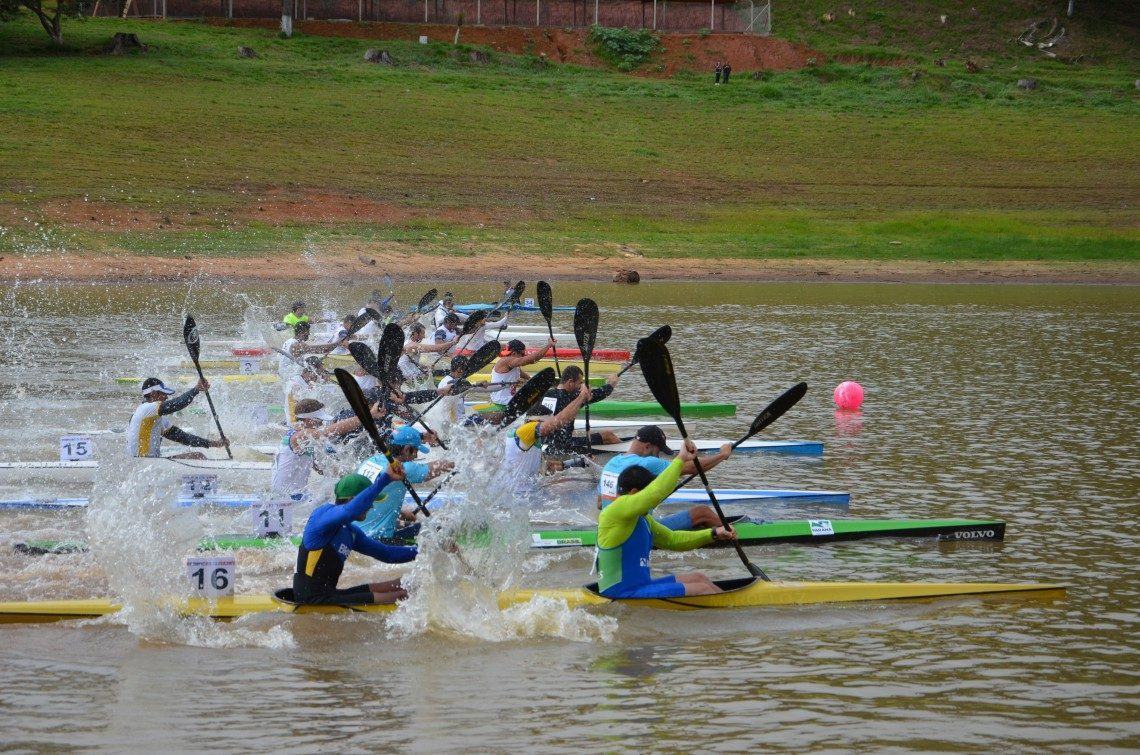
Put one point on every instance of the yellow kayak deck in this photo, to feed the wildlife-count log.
(744, 594)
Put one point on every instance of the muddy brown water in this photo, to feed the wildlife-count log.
(1015, 402)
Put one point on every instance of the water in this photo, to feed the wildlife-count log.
(1012, 402)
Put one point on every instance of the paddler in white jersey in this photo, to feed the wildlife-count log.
(448, 332)
(446, 307)
(302, 386)
(522, 461)
(294, 458)
(479, 337)
(149, 424)
(645, 451)
(507, 375)
(297, 347)
(452, 406)
(411, 367)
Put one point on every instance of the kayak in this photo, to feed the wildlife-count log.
(814, 531)
(255, 377)
(739, 593)
(682, 497)
(804, 447)
(87, 469)
(516, 307)
(609, 408)
(485, 379)
(597, 355)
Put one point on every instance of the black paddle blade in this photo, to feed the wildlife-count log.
(426, 299)
(545, 300)
(776, 409)
(190, 336)
(586, 326)
(390, 348)
(657, 367)
(359, 405)
(365, 358)
(661, 335)
(361, 320)
(529, 395)
(486, 354)
(420, 397)
(516, 292)
(473, 323)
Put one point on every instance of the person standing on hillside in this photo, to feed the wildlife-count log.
(725, 72)
(718, 70)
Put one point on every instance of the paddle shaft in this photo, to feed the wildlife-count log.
(210, 401)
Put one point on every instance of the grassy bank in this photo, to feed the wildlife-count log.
(189, 149)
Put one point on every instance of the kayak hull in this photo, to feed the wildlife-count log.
(740, 594)
(610, 408)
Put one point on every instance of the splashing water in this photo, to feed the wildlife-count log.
(473, 550)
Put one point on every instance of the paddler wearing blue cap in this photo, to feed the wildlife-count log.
(332, 532)
(627, 533)
(149, 424)
(645, 451)
(383, 521)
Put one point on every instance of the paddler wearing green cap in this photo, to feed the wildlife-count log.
(332, 532)
(388, 512)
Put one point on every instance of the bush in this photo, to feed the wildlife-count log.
(624, 48)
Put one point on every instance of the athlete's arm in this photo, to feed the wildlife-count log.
(602, 393)
(325, 522)
(389, 554)
(178, 435)
(617, 520)
(677, 540)
(708, 462)
(178, 403)
(564, 417)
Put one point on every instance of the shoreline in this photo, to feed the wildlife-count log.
(345, 265)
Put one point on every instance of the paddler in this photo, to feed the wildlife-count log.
(564, 441)
(507, 374)
(453, 406)
(149, 424)
(410, 366)
(448, 332)
(388, 518)
(645, 451)
(297, 347)
(522, 461)
(447, 307)
(627, 533)
(296, 315)
(479, 337)
(331, 533)
(302, 386)
(294, 458)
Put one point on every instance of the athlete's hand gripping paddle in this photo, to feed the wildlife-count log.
(359, 406)
(546, 305)
(771, 413)
(585, 333)
(194, 346)
(657, 367)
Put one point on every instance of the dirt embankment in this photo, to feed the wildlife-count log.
(680, 52)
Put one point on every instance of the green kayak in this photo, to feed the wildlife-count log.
(750, 533)
(646, 409)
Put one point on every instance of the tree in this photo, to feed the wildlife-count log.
(9, 9)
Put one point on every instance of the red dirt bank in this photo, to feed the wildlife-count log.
(680, 52)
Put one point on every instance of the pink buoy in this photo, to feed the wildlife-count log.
(849, 395)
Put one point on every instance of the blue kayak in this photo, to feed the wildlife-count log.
(515, 307)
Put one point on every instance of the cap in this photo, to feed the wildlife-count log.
(654, 436)
(153, 384)
(310, 408)
(516, 345)
(349, 486)
(409, 436)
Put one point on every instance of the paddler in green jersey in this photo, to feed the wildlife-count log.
(296, 315)
(627, 534)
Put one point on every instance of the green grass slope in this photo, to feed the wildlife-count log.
(841, 160)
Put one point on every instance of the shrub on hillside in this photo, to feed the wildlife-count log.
(624, 48)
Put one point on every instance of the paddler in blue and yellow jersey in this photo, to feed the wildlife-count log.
(627, 533)
(332, 532)
(389, 519)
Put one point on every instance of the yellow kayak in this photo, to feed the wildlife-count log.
(740, 593)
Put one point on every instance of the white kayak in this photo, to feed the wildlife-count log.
(809, 447)
(84, 470)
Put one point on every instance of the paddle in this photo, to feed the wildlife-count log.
(359, 406)
(363, 355)
(546, 305)
(585, 333)
(472, 324)
(661, 335)
(530, 394)
(657, 367)
(426, 299)
(388, 358)
(194, 346)
(512, 298)
(771, 413)
(486, 354)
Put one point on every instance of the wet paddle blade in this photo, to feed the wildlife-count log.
(586, 326)
(426, 299)
(473, 323)
(359, 404)
(776, 409)
(190, 336)
(486, 354)
(365, 358)
(390, 348)
(529, 395)
(657, 367)
(516, 292)
(545, 300)
(361, 320)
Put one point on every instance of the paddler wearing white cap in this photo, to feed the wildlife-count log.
(149, 424)
(294, 459)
